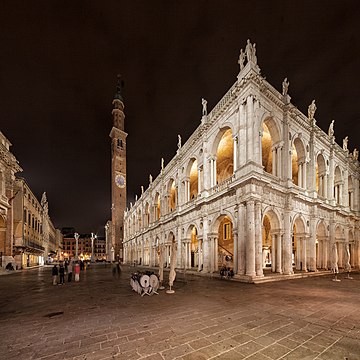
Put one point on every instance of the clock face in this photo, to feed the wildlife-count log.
(120, 181)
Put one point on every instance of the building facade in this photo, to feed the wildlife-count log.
(257, 187)
(8, 168)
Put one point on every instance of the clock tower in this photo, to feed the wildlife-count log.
(118, 172)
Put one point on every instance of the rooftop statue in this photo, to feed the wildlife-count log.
(204, 104)
(179, 142)
(356, 154)
(150, 179)
(162, 163)
(142, 189)
(311, 110)
(285, 86)
(331, 129)
(345, 143)
(242, 58)
(250, 51)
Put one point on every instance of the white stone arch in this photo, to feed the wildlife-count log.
(147, 213)
(271, 240)
(157, 206)
(300, 244)
(223, 245)
(222, 162)
(271, 145)
(338, 185)
(321, 177)
(322, 244)
(298, 161)
(190, 183)
(171, 194)
(351, 191)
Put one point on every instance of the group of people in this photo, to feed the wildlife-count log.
(58, 273)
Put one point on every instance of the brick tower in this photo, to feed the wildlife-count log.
(118, 172)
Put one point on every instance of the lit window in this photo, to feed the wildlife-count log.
(227, 231)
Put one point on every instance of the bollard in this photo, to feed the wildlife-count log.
(77, 272)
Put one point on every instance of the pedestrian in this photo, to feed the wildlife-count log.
(54, 273)
(113, 268)
(70, 267)
(62, 274)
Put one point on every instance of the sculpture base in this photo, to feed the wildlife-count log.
(170, 291)
(161, 287)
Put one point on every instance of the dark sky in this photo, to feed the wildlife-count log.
(58, 66)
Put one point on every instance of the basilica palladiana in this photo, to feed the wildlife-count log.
(258, 187)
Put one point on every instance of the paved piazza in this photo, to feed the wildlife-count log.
(102, 318)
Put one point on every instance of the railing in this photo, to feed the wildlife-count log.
(223, 185)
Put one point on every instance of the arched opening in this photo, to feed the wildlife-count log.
(172, 195)
(322, 247)
(139, 220)
(147, 214)
(194, 246)
(266, 149)
(299, 245)
(194, 186)
(351, 193)
(339, 240)
(271, 242)
(225, 251)
(225, 157)
(321, 177)
(337, 186)
(298, 164)
(352, 249)
(157, 206)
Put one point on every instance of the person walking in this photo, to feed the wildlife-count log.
(54, 274)
(62, 274)
(70, 269)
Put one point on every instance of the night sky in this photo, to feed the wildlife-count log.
(58, 67)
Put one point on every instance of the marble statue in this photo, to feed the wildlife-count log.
(142, 189)
(162, 163)
(311, 110)
(241, 60)
(179, 142)
(345, 143)
(204, 105)
(335, 259)
(331, 129)
(356, 154)
(285, 86)
(150, 179)
(172, 274)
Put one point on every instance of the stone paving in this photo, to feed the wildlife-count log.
(102, 318)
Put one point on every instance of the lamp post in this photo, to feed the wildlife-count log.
(93, 236)
(76, 235)
(112, 254)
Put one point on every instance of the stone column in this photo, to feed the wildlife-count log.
(287, 244)
(279, 161)
(304, 183)
(235, 160)
(304, 252)
(250, 239)
(249, 126)
(235, 258)
(274, 161)
(216, 254)
(199, 180)
(241, 241)
(189, 254)
(242, 135)
(345, 192)
(300, 175)
(312, 245)
(258, 240)
(278, 254)
(273, 252)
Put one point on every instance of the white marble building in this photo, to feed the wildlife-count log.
(258, 187)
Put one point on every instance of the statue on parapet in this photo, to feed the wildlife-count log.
(242, 58)
(142, 189)
(179, 142)
(250, 51)
(285, 86)
(150, 179)
(311, 110)
(356, 154)
(331, 129)
(204, 106)
(162, 164)
(345, 143)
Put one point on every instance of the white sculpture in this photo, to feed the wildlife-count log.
(150, 179)
(142, 189)
(331, 129)
(160, 252)
(162, 164)
(311, 110)
(345, 143)
(241, 60)
(172, 274)
(179, 142)
(334, 261)
(204, 104)
(285, 86)
(356, 154)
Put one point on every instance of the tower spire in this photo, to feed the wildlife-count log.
(119, 85)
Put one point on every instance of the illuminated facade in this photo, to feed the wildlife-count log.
(84, 247)
(8, 168)
(257, 187)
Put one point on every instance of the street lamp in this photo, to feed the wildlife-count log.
(76, 235)
(93, 236)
